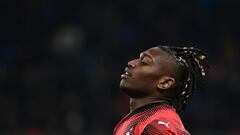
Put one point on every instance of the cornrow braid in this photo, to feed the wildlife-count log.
(190, 61)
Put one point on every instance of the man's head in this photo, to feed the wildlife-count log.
(163, 73)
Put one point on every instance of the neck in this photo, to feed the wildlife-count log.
(138, 102)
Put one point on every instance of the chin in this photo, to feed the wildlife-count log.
(126, 85)
(123, 85)
(131, 91)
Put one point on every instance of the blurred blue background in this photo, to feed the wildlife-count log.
(61, 61)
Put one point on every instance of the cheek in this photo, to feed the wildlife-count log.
(146, 77)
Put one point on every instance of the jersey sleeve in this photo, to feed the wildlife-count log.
(163, 127)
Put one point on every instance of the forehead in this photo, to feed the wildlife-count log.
(156, 51)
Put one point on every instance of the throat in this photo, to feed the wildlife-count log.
(137, 103)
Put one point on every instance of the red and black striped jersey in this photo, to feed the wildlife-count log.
(151, 119)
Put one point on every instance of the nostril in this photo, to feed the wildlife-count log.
(131, 65)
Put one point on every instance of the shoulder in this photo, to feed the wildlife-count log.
(164, 127)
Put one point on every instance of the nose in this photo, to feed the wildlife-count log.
(131, 64)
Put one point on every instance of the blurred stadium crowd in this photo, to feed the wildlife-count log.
(61, 61)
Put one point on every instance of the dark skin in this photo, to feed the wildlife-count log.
(149, 78)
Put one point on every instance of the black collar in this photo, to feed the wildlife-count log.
(147, 106)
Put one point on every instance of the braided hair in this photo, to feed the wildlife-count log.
(190, 61)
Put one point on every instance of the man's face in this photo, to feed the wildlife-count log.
(142, 74)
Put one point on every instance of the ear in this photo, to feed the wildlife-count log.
(165, 82)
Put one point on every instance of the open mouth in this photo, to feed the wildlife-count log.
(126, 74)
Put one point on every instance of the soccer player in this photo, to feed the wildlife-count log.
(160, 83)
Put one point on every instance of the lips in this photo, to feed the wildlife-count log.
(126, 74)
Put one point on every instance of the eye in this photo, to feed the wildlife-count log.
(145, 60)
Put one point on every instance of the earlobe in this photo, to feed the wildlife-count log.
(166, 82)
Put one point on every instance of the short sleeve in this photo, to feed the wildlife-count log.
(163, 127)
